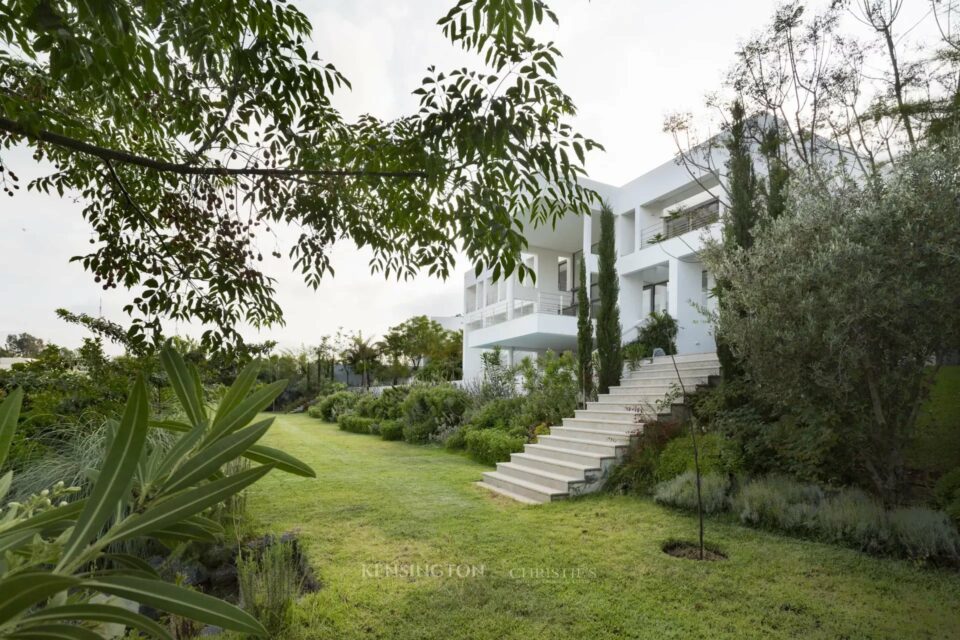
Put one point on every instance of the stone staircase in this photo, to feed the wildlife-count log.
(576, 457)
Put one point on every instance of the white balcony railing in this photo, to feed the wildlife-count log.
(499, 312)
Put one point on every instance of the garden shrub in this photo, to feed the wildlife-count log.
(389, 405)
(269, 585)
(551, 389)
(851, 517)
(490, 446)
(659, 331)
(777, 502)
(355, 424)
(427, 410)
(681, 492)
(337, 403)
(391, 430)
(365, 405)
(947, 494)
(715, 453)
(637, 472)
(923, 534)
(500, 413)
(314, 411)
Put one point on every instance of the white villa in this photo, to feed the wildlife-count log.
(662, 219)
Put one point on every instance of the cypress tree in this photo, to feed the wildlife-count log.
(741, 216)
(778, 175)
(608, 315)
(584, 334)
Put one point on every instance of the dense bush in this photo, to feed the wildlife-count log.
(777, 502)
(389, 405)
(337, 403)
(391, 430)
(682, 491)
(428, 410)
(947, 494)
(849, 517)
(490, 446)
(715, 453)
(365, 406)
(500, 413)
(638, 471)
(355, 424)
(659, 331)
(551, 390)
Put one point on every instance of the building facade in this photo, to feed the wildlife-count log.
(662, 221)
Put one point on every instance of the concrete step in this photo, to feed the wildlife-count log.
(649, 392)
(507, 493)
(656, 384)
(603, 436)
(613, 415)
(642, 410)
(554, 465)
(671, 375)
(587, 446)
(622, 430)
(531, 490)
(563, 454)
(539, 477)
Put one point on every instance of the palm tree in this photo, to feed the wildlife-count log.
(362, 356)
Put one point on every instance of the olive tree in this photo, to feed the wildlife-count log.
(845, 305)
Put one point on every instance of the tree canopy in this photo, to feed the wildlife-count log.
(190, 131)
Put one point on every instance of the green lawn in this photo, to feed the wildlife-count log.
(379, 503)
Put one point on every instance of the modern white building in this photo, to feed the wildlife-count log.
(662, 220)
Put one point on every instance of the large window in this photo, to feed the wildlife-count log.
(654, 297)
(563, 273)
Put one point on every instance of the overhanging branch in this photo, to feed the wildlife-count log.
(125, 157)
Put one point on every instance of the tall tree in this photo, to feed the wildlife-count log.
(584, 335)
(741, 215)
(609, 345)
(192, 130)
(24, 345)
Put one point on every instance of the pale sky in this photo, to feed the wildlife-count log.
(626, 64)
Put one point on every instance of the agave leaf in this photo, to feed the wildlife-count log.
(180, 601)
(9, 414)
(116, 473)
(52, 520)
(54, 632)
(5, 483)
(239, 390)
(184, 385)
(99, 613)
(211, 458)
(281, 459)
(245, 411)
(180, 506)
(24, 590)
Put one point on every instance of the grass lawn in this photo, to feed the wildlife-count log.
(379, 503)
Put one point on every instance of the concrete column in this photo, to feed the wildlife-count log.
(510, 282)
(684, 296)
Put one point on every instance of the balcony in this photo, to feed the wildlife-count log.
(679, 223)
(533, 320)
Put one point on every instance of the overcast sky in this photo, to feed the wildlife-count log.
(626, 64)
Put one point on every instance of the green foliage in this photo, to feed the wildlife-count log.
(355, 423)
(336, 404)
(634, 352)
(777, 502)
(716, 456)
(681, 492)
(391, 430)
(849, 517)
(638, 471)
(741, 214)
(500, 413)
(608, 313)
(269, 585)
(428, 410)
(551, 389)
(816, 270)
(658, 331)
(937, 445)
(947, 494)
(584, 335)
(490, 446)
(389, 405)
(451, 176)
(138, 493)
